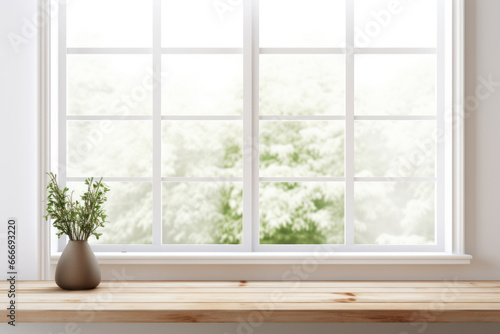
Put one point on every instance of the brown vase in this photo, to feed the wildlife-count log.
(77, 268)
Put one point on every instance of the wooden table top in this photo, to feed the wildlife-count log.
(257, 301)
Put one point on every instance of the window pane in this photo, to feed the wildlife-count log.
(109, 23)
(202, 213)
(301, 213)
(110, 148)
(402, 23)
(200, 23)
(203, 85)
(301, 149)
(110, 85)
(130, 212)
(302, 85)
(395, 148)
(394, 213)
(395, 85)
(202, 148)
(300, 23)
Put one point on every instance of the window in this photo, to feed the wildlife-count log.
(262, 125)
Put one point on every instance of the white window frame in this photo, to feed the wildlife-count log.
(450, 235)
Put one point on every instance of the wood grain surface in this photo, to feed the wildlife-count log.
(257, 302)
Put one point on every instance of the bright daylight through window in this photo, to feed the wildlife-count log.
(258, 126)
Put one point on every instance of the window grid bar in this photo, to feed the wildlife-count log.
(239, 118)
(261, 179)
(90, 51)
(149, 118)
(302, 179)
(217, 51)
(395, 179)
(202, 118)
(342, 248)
(302, 118)
(113, 179)
(276, 51)
(400, 51)
(109, 51)
(62, 106)
(173, 51)
(108, 118)
(157, 186)
(202, 179)
(349, 129)
(177, 248)
(303, 249)
(395, 118)
(349, 50)
(255, 126)
(247, 126)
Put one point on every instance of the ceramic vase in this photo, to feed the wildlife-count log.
(77, 268)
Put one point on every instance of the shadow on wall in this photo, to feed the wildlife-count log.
(470, 127)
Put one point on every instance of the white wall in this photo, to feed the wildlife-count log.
(18, 190)
(18, 127)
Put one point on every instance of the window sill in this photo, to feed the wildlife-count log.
(276, 258)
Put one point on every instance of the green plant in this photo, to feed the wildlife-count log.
(79, 219)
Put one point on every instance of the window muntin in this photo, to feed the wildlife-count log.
(337, 100)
